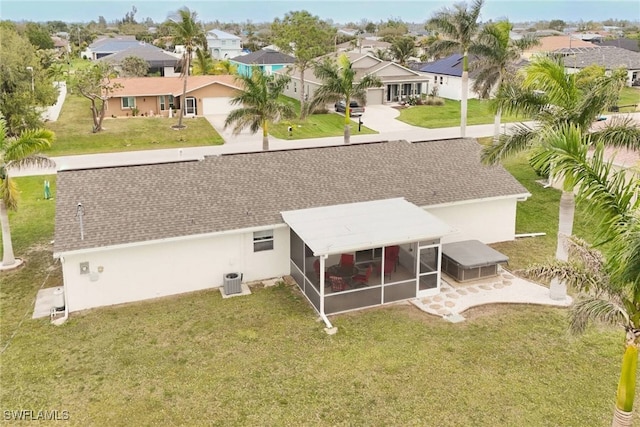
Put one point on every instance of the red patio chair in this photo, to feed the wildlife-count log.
(347, 260)
(390, 260)
(361, 280)
(337, 283)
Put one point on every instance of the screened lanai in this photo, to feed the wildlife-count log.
(350, 256)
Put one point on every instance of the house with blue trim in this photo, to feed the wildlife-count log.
(266, 59)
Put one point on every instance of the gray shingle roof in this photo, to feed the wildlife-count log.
(609, 57)
(155, 56)
(149, 202)
(265, 56)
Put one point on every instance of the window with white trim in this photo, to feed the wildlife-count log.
(262, 240)
(166, 102)
(128, 102)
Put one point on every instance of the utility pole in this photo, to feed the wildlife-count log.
(32, 81)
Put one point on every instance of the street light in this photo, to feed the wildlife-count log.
(32, 82)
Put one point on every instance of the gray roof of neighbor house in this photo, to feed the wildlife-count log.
(265, 56)
(452, 66)
(114, 44)
(153, 55)
(149, 202)
(608, 56)
(623, 43)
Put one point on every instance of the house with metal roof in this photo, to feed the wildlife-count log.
(223, 45)
(108, 45)
(132, 233)
(268, 60)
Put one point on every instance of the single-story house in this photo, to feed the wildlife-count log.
(268, 60)
(362, 45)
(165, 229)
(551, 44)
(153, 96)
(446, 75)
(223, 45)
(159, 61)
(398, 82)
(108, 45)
(609, 57)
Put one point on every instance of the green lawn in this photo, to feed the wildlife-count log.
(316, 126)
(74, 136)
(448, 115)
(629, 96)
(264, 359)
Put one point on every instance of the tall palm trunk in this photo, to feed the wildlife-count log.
(347, 123)
(623, 415)
(463, 98)
(302, 100)
(496, 126)
(558, 288)
(8, 258)
(265, 136)
(184, 89)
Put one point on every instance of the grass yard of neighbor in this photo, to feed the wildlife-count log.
(74, 132)
(316, 126)
(629, 96)
(264, 359)
(448, 115)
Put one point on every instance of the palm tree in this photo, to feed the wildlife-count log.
(497, 57)
(551, 97)
(260, 103)
(203, 63)
(609, 285)
(458, 27)
(403, 48)
(339, 84)
(187, 31)
(17, 152)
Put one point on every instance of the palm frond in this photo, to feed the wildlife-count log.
(589, 308)
(9, 193)
(518, 140)
(28, 143)
(619, 132)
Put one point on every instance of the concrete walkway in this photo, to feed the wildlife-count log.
(454, 297)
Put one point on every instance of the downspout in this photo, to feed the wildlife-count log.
(322, 315)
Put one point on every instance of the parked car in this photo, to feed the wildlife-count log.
(355, 108)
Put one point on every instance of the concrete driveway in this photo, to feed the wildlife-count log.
(383, 119)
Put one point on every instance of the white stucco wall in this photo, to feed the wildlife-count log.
(488, 221)
(451, 87)
(168, 268)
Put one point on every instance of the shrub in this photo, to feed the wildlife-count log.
(433, 100)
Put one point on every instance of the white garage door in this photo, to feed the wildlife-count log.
(221, 105)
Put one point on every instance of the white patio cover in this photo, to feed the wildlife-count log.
(346, 228)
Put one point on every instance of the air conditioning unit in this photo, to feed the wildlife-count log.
(232, 283)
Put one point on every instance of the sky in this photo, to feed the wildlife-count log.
(340, 11)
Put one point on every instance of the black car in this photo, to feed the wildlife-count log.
(355, 108)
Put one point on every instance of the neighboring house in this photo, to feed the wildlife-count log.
(109, 45)
(623, 43)
(153, 96)
(551, 44)
(266, 59)
(61, 44)
(165, 229)
(446, 74)
(223, 45)
(362, 45)
(588, 37)
(608, 57)
(398, 82)
(159, 61)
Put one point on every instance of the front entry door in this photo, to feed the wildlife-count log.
(190, 107)
(428, 268)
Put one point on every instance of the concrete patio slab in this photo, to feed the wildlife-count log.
(502, 289)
